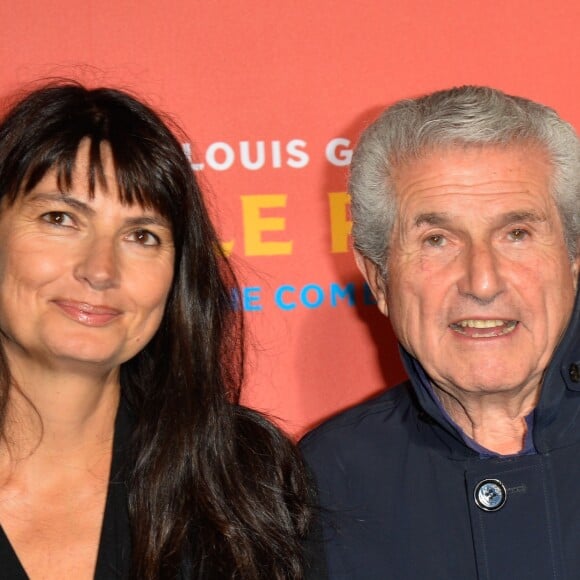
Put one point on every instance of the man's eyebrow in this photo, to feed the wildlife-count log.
(443, 219)
(513, 217)
(432, 219)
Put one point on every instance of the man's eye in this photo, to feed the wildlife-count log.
(144, 237)
(436, 240)
(518, 235)
(58, 218)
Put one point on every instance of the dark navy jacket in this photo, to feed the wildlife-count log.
(397, 482)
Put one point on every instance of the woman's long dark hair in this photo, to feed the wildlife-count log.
(213, 486)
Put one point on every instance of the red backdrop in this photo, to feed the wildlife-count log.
(273, 94)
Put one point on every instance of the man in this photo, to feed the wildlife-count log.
(466, 221)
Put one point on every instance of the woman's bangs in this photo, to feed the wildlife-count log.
(36, 162)
(136, 182)
(140, 181)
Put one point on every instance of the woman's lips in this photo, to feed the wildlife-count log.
(89, 314)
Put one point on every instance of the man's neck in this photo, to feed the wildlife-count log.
(496, 421)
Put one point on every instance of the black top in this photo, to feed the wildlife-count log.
(114, 556)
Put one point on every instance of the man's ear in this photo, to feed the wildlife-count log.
(576, 268)
(374, 279)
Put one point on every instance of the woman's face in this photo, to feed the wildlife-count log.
(82, 281)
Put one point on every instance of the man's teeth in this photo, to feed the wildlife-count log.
(482, 323)
(492, 327)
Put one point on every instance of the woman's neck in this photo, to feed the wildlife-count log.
(65, 412)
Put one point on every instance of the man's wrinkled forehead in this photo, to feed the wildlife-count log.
(492, 168)
(499, 185)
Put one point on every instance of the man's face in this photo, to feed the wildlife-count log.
(480, 286)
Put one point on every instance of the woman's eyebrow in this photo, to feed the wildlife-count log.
(85, 208)
(61, 197)
(149, 220)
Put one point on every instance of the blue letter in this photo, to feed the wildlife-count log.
(278, 298)
(319, 299)
(337, 292)
(369, 299)
(252, 299)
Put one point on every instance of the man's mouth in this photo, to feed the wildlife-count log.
(478, 328)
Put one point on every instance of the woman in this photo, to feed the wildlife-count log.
(124, 451)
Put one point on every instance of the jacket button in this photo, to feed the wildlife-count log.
(490, 495)
(574, 372)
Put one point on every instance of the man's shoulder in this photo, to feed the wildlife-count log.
(378, 417)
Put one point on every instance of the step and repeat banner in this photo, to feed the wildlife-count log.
(273, 96)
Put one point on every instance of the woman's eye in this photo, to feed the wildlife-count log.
(144, 237)
(518, 235)
(58, 218)
(436, 240)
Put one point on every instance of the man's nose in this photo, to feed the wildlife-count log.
(481, 278)
(98, 264)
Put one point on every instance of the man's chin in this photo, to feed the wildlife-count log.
(488, 386)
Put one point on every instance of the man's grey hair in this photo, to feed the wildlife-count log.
(464, 116)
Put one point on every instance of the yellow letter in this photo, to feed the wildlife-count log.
(227, 248)
(255, 225)
(340, 225)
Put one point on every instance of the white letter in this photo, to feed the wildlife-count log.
(187, 151)
(245, 155)
(345, 155)
(276, 155)
(212, 161)
(298, 157)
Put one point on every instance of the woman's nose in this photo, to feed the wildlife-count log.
(98, 264)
